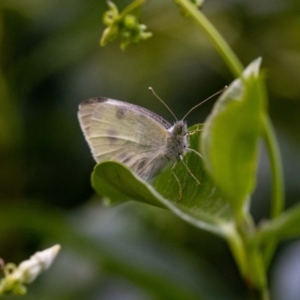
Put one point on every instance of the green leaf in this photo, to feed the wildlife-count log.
(231, 134)
(201, 205)
(284, 226)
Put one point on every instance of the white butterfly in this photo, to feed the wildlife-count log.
(135, 136)
(132, 135)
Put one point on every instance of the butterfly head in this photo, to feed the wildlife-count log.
(178, 140)
(180, 129)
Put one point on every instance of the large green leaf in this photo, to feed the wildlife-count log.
(231, 134)
(201, 205)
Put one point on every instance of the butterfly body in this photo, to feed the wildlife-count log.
(130, 134)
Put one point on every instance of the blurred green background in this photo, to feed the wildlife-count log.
(50, 62)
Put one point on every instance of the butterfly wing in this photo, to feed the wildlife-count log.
(127, 133)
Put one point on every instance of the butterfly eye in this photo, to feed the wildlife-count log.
(178, 130)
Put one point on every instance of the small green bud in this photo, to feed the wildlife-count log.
(130, 22)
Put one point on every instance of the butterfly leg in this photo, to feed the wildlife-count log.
(196, 130)
(178, 182)
(191, 133)
(189, 171)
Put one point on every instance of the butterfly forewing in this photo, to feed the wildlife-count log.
(127, 133)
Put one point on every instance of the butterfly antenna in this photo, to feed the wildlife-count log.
(168, 108)
(217, 93)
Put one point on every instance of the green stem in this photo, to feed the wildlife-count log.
(221, 45)
(248, 259)
(276, 167)
(132, 6)
(237, 247)
(257, 270)
(277, 203)
(255, 273)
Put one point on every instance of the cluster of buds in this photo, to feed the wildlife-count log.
(124, 25)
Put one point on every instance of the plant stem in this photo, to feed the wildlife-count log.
(255, 273)
(250, 263)
(276, 167)
(249, 257)
(221, 45)
(132, 6)
(237, 247)
(257, 269)
(277, 203)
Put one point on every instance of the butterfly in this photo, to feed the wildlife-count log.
(135, 136)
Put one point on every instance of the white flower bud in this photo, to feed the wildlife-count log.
(28, 270)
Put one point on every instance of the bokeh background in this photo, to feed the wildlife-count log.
(50, 61)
